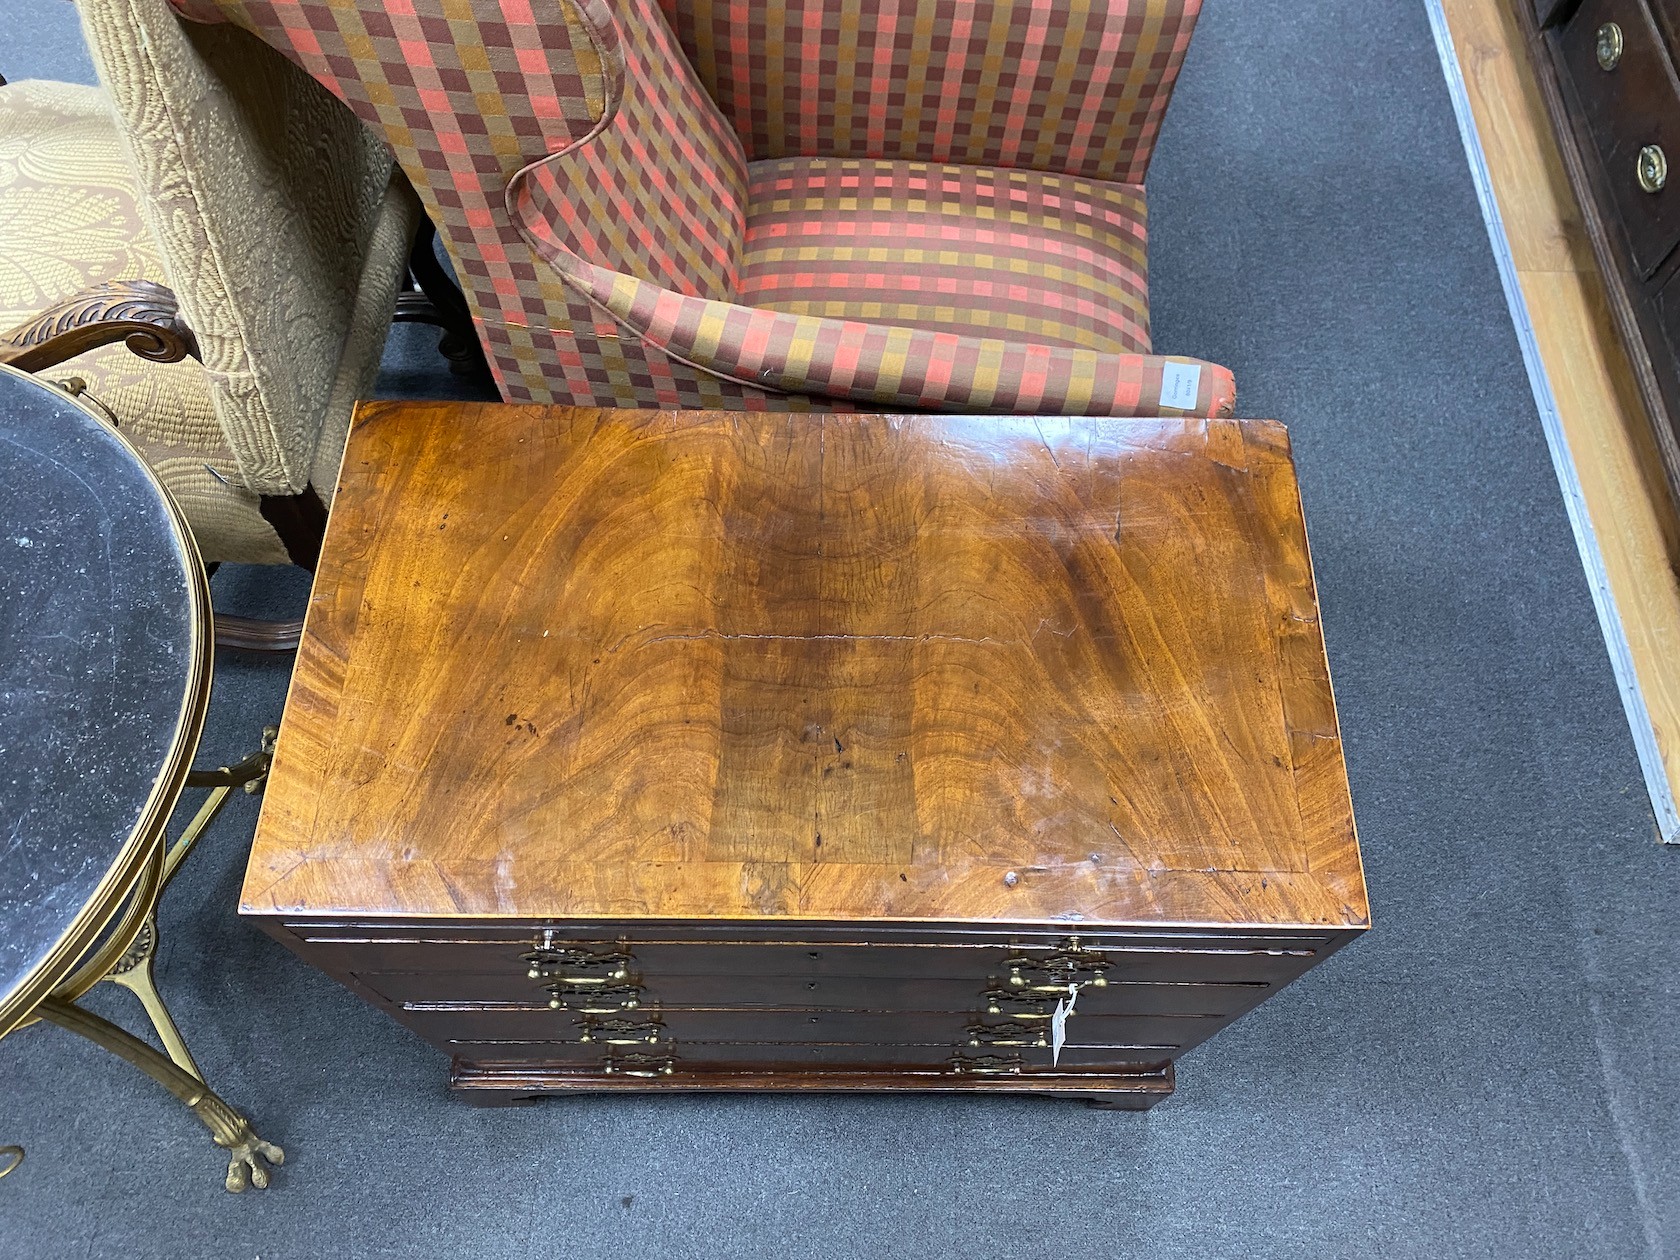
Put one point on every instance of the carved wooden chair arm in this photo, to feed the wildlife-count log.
(140, 313)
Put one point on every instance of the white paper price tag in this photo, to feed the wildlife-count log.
(1180, 382)
(1058, 1024)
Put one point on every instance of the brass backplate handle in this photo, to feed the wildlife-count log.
(594, 1000)
(1010, 1033)
(1021, 1004)
(1653, 168)
(986, 1065)
(1610, 45)
(620, 1032)
(645, 1065)
(568, 966)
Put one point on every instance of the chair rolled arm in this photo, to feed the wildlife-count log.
(890, 367)
(140, 313)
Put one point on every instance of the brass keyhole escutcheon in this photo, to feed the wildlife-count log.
(1653, 168)
(1609, 46)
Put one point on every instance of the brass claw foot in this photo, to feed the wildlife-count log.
(228, 1129)
(245, 1163)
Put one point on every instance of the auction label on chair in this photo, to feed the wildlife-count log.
(1180, 383)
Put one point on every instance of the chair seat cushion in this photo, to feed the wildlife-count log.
(69, 221)
(1011, 254)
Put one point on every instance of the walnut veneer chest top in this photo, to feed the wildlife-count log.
(713, 750)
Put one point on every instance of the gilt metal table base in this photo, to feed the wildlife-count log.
(126, 957)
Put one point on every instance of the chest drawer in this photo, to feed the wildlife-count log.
(1159, 958)
(1630, 109)
(1149, 1037)
(1120, 997)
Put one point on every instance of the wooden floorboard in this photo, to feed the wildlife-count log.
(1598, 404)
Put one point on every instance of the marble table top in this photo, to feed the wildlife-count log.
(103, 666)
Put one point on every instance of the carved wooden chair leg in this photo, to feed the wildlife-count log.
(229, 1130)
(434, 298)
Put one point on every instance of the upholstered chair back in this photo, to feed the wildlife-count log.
(1075, 88)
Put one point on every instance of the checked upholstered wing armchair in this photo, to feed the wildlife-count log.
(904, 204)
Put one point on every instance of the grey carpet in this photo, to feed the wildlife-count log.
(1491, 1072)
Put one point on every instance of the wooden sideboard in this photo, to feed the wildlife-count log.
(1606, 69)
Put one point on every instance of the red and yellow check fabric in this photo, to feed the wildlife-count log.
(618, 249)
(1073, 86)
(961, 249)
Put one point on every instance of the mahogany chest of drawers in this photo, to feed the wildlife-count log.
(1607, 71)
(639, 750)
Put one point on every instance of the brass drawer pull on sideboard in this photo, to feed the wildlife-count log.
(1609, 46)
(1653, 168)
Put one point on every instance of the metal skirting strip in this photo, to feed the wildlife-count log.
(1563, 462)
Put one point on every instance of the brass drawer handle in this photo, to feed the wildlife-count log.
(1006, 1034)
(645, 1065)
(1054, 972)
(590, 1000)
(1019, 1005)
(579, 981)
(987, 1065)
(620, 1032)
(1653, 168)
(576, 966)
(1610, 44)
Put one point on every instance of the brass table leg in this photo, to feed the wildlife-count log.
(132, 968)
(134, 971)
(228, 1129)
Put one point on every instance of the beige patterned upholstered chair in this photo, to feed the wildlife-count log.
(208, 164)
